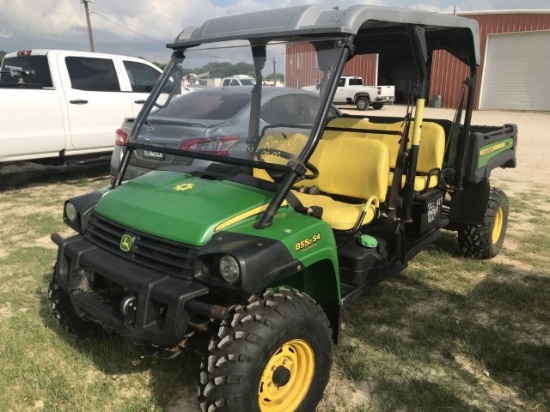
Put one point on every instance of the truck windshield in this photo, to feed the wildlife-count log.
(264, 125)
(26, 70)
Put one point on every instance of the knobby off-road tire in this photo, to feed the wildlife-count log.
(273, 355)
(62, 309)
(485, 241)
(362, 103)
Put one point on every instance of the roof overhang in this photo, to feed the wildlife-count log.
(378, 29)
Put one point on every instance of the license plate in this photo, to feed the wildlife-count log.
(149, 154)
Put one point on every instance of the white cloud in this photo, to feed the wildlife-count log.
(5, 33)
(62, 24)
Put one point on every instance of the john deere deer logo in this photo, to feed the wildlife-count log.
(126, 242)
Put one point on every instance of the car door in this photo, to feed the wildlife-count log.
(286, 109)
(96, 104)
(312, 104)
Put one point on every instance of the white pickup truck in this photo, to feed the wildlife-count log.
(238, 80)
(62, 106)
(351, 90)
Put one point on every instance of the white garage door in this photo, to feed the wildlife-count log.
(517, 72)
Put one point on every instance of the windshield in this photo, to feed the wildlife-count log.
(263, 126)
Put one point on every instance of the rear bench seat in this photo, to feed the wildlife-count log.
(353, 170)
(430, 153)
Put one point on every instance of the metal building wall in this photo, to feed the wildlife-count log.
(448, 73)
(364, 66)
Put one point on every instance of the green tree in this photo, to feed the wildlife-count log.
(280, 77)
(226, 69)
(160, 65)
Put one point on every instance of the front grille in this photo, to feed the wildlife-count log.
(152, 252)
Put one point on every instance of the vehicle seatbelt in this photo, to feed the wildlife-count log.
(452, 141)
(400, 163)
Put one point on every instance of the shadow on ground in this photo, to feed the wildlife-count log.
(24, 175)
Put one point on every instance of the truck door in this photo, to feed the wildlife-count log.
(95, 103)
(141, 79)
(340, 95)
(20, 137)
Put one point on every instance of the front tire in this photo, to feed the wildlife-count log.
(362, 103)
(274, 355)
(63, 310)
(485, 241)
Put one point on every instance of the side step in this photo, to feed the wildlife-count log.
(350, 293)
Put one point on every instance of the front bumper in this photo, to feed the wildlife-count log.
(140, 304)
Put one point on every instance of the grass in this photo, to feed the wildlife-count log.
(450, 333)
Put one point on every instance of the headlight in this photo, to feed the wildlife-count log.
(230, 269)
(70, 212)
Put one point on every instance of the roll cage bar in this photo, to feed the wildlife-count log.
(400, 34)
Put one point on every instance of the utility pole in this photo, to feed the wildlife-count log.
(90, 35)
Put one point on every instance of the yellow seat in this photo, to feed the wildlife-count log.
(353, 169)
(430, 152)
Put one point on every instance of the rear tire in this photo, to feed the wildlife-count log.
(362, 103)
(63, 310)
(274, 355)
(377, 106)
(485, 241)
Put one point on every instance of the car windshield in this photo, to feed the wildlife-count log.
(262, 126)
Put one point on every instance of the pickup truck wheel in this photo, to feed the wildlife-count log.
(274, 355)
(485, 241)
(62, 309)
(362, 103)
(377, 106)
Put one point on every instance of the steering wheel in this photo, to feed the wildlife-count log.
(278, 176)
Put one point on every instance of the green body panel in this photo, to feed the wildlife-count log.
(494, 149)
(319, 276)
(188, 209)
(179, 207)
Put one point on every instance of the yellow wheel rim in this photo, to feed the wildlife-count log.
(497, 228)
(287, 377)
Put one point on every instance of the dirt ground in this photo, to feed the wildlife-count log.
(530, 175)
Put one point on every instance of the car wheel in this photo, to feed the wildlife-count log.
(377, 106)
(275, 354)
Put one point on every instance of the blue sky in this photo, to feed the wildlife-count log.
(143, 27)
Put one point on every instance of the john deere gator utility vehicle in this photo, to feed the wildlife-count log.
(248, 247)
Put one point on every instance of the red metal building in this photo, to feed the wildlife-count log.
(514, 72)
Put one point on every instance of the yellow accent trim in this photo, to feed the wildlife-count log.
(245, 215)
(492, 149)
(297, 358)
(418, 119)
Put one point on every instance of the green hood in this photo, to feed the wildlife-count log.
(178, 206)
